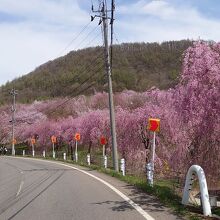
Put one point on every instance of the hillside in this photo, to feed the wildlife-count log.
(136, 66)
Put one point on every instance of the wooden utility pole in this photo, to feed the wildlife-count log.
(13, 93)
(103, 15)
(109, 75)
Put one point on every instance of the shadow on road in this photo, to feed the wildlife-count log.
(119, 206)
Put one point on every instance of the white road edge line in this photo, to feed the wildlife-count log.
(20, 187)
(122, 195)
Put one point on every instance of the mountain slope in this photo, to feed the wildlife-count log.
(136, 66)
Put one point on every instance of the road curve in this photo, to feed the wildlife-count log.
(33, 189)
(39, 189)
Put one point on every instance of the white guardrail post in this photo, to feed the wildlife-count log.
(76, 152)
(105, 161)
(195, 169)
(149, 169)
(64, 156)
(44, 153)
(88, 159)
(122, 166)
(23, 152)
(76, 157)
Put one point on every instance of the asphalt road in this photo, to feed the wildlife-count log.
(38, 190)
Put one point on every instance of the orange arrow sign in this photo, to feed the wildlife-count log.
(53, 139)
(103, 141)
(77, 137)
(33, 141)
(154, 124)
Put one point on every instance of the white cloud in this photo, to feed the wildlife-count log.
(161, 20)
(48, 11)
(44, 30)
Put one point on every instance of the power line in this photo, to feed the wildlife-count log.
(83, 70)
(93, 63)
(116, 38)
(74, 39)
(77, 36)
(69, 99)
(86, 69)
(87, 36)
(96, 36)
(76, 88)
(82, 90)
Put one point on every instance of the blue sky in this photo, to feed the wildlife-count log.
(36, 31)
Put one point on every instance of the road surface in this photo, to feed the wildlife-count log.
(41, 190)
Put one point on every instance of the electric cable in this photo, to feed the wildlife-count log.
(116, 38)
(74, 39)
(75, 95)
(86, 69)
(86, 80)
(87, 36)
(81, 84)
(83, 70)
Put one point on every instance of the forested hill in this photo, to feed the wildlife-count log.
(136, 66)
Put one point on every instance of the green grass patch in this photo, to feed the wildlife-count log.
(216, 211)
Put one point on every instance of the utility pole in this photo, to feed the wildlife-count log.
(13, 93)
(104, 19)
(109, 74)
